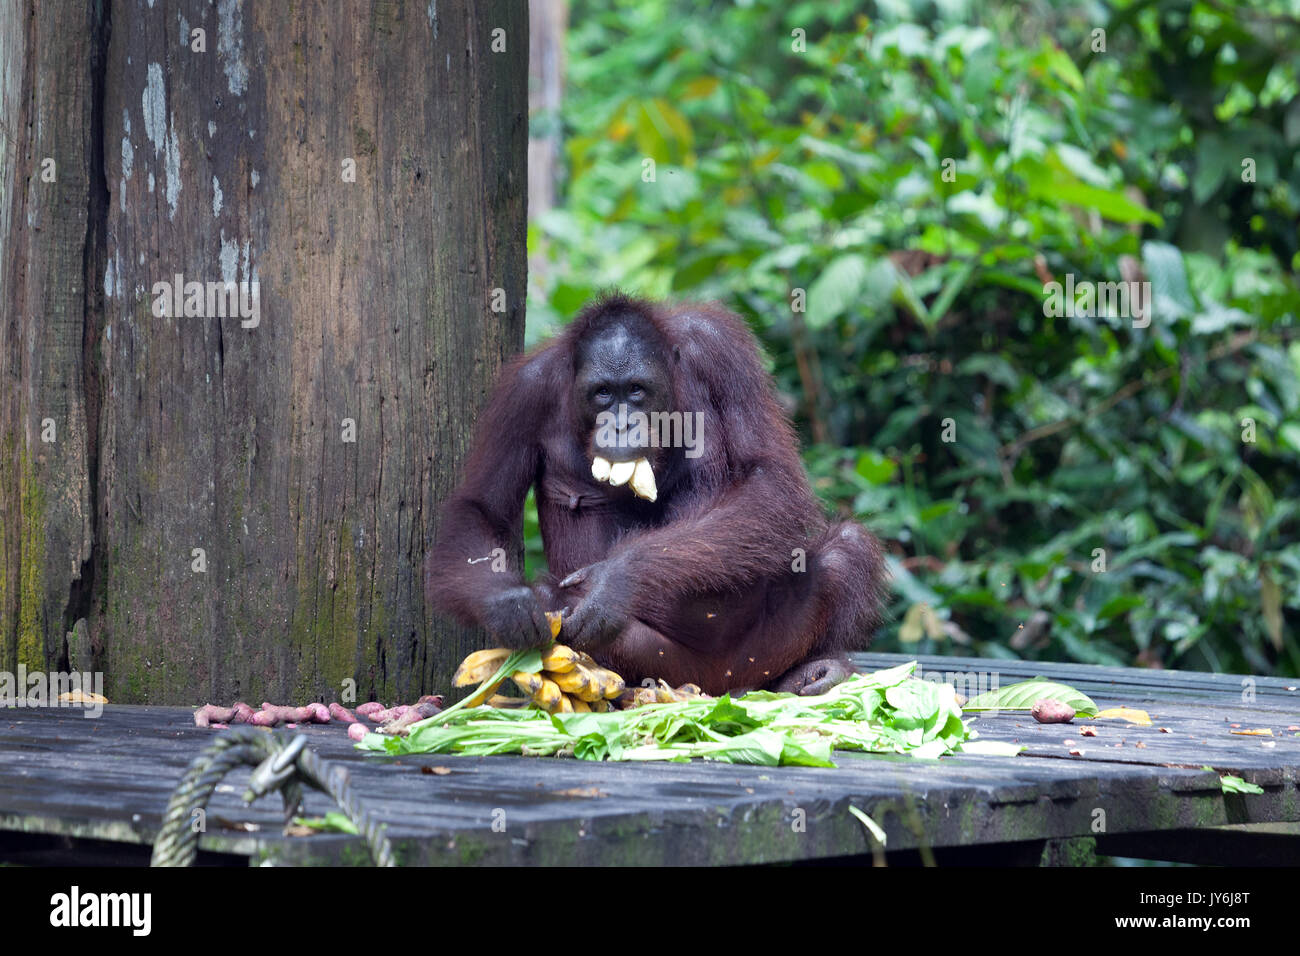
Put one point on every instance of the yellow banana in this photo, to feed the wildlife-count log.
(479, 666)
(580, 706)
(530, 684)
(548, 697)
(506, 703)
(566, 704)
(611, 685)
(559, 659)
(577, 681)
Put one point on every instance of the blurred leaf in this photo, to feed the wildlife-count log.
(836, 289)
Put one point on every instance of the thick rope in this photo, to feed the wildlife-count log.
(178, 842)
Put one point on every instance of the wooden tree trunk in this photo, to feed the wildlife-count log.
(240, 507)
(547, 23)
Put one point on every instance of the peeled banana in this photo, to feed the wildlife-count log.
(555, 619)
(638, 475)
(643, 481)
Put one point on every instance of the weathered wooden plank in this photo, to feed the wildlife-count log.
(58, 777)
(1119, 683)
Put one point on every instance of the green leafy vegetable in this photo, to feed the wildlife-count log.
(1232, 784)
(332, 822)
(883, 712)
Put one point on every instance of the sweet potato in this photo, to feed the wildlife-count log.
(382, 716)
(339, 712)
(412, 715)
(208, 714)
(1052, 711)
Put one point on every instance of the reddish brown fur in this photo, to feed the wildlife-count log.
(714, 600)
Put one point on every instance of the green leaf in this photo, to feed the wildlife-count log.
(1059, 62)
(837, 288)
(876, 468)
(1231, 784)
(956, 282)
(728, 716)
(1119, 605)
(1052, 182)
(807, 752)
(332, 822)
(1024, 694)
(1170, 293)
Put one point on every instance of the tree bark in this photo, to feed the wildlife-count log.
(240, 508)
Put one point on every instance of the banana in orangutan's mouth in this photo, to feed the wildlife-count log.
(639, 472)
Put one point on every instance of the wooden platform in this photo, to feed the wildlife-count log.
(76, 790)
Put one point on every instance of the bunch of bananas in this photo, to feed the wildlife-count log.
(568, 682)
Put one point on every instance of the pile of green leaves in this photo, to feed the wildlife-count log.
(883, 712)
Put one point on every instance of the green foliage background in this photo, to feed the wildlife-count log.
(1170, 151)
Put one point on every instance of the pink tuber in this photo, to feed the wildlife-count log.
(339, 712)
(208, 714)
(412, 715)
(284, 714)
(1052, 711)
(380, 716)
(394, 719)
